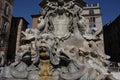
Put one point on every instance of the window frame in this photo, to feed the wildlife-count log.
(92, 25)
(91, 12)
(92, 19)
(1, 43)
(7, 10)
(5, 25)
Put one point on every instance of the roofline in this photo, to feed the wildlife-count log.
(35, 15)
(21, 18)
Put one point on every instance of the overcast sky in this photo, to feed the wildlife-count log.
(110, 9)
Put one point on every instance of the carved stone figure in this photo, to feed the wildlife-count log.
(18, 69)
(60, 48)
(45, 45)
(30, 34)
(41, 24)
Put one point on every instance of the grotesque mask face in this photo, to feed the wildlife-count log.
(44, 44)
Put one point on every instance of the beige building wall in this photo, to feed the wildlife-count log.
(96, 14)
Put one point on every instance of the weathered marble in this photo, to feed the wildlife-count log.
(60, 48)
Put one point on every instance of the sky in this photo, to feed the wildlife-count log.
(110, 9)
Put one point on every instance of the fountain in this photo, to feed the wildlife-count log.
(60, 48)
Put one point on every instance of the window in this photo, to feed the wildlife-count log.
(92, 26)
(92, 19)
(1, 43)
(5, 25)
(91, 12)
(7, 9)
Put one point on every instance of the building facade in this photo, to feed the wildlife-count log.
(18, 25)
(112, 39)
(6, 7)
(93, 17)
